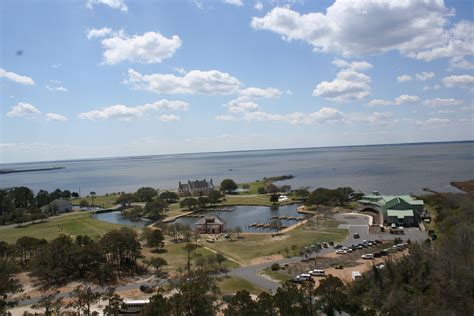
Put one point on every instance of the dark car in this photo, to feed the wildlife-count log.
(384, 252)
(145, 288)
(338, 246)
(377, 255)
(356, 235)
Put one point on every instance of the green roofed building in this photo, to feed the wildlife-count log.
(395, 209)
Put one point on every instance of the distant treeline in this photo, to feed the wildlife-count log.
(20, 204)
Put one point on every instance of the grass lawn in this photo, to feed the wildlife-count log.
(176, 256)
(258, 245)
(100, 200)
(275, 275)
(72, 224)
(230, 285)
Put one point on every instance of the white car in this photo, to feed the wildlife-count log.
(368, 256)
(317, 273)
(341, 252)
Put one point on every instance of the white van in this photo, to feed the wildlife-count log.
(317, 272)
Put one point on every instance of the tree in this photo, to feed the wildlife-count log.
(220, 258)
(302, 193)
(154, 238)
(92, 194)
(246, 186)
(146, 194)
(49, 302)
(228, 185)
(158, 263)
(265, 304)
(169, 197)
(125, 199)
(294, 248)
(82, 298)
(189, 203)
(274, 198)
(190, 247)
(75, 195)
(156, 209)
(271, 188)
(42, 198)
(241, 304)
(158, 306)
(285, 188)
(84, 203)
(261, 190)
(214, 196)
(8, 285)
(22, 197)
(114, 302)
(202, 201)
(331, 293)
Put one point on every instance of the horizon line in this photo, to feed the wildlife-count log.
(236, 151)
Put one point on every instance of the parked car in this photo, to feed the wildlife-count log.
(317, 272)
(393, 225)
(325, 244)
(356, 235)
(377, 255)
(368, 256)
(145, 288)
(338, 266)
(338, 246)
(384, 252)
(341, 252)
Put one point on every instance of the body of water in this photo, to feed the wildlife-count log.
(244, 215)
(389, 169)
(117, 218)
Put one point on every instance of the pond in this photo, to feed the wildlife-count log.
(116, 217)
(246, 216)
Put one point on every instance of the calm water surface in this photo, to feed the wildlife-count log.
(117, 218)
(390, 169)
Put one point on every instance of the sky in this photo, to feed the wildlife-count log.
(108, 78)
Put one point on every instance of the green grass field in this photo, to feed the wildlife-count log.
(230, 285)
(256, 245)
(101, 200)
(72, 224)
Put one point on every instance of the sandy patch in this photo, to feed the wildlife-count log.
(265, 259)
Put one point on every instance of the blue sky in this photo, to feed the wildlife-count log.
(101, 78)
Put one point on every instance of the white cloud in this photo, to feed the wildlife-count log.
(324, 115)
(114, 4)
(123, 112)
(462, 81)
(461, 63)
(237, 106)
(454, 43)
(56, 65)
(96, 33)
(16, 77)
(258, 6)
(355, 65)
(417, 29)
(194, 82)
(375, 118)
(404, 98)
(237, 3)
(433, 87)
(23, 110)
(423, 76)
(442, 102)
(225, 118)
(432, 122)
(348, 85)
(56, 88)
(169, 118)
(253, 93)
(56, 117)
(151, 47)
(404, 78)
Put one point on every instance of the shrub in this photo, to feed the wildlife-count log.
(275, 267)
